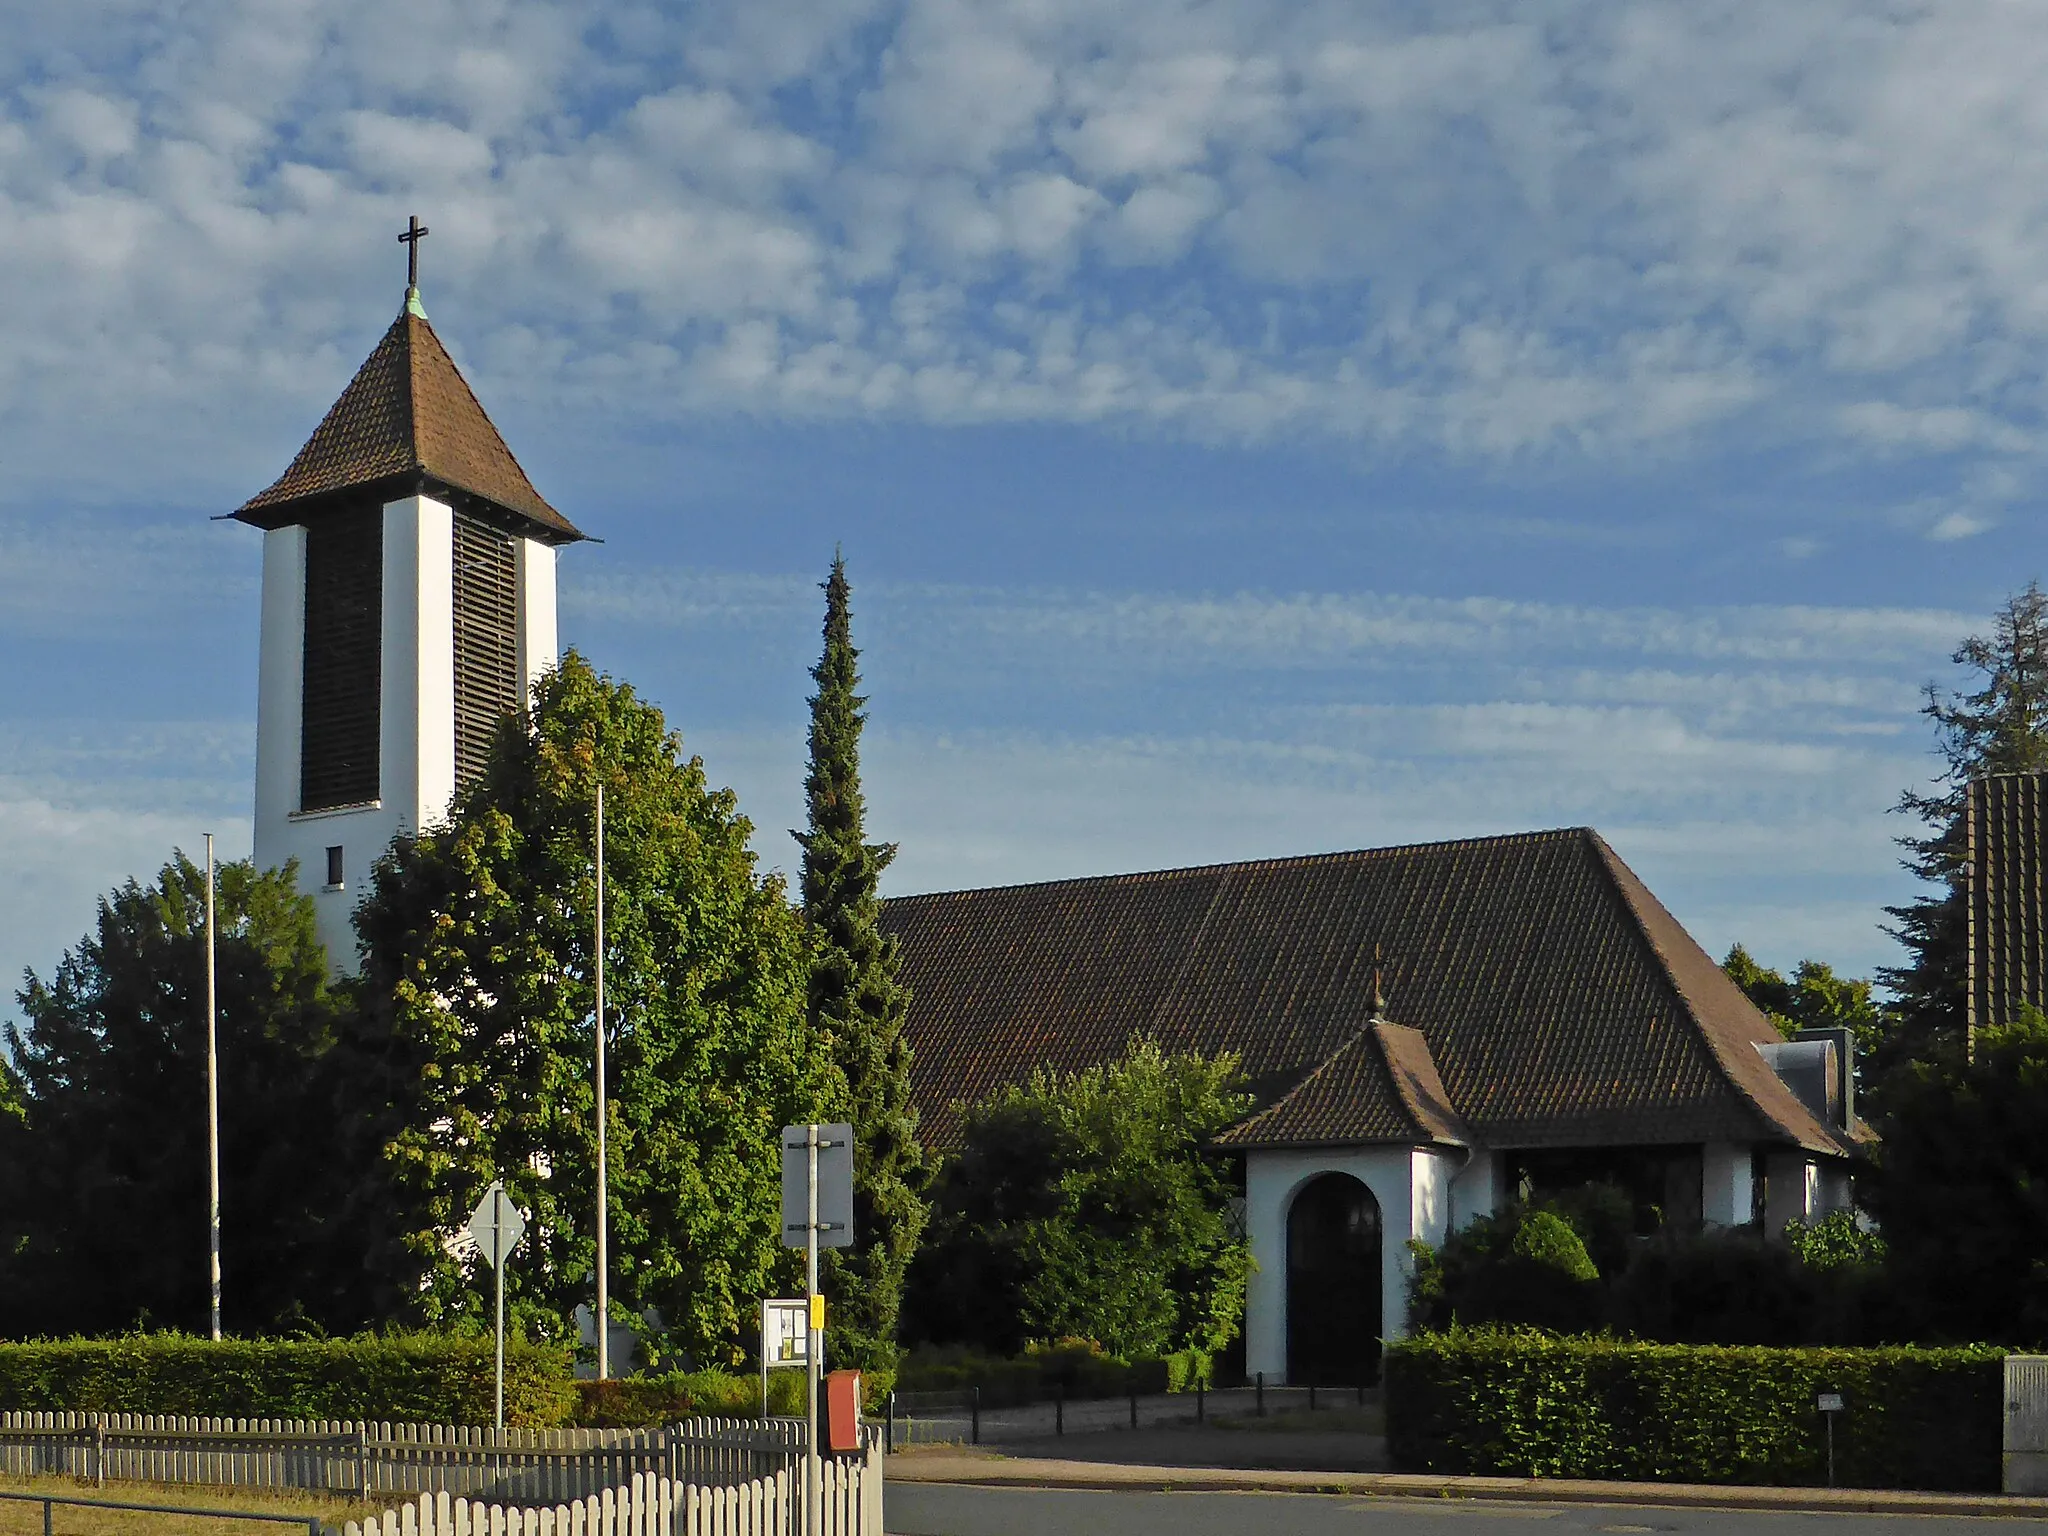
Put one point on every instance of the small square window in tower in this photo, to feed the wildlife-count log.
(343, 676)
(486, 640)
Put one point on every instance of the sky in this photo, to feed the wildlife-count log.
(1251, 429)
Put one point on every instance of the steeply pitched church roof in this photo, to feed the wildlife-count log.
(1561, 1004)
(408, 420)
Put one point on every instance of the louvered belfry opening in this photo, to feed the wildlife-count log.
(486, 640)
(343, 677)
(2008, 852)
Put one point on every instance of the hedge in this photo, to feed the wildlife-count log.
(1043, 1372)
(1523, 1404)
(637, 1402)
(423, 1378)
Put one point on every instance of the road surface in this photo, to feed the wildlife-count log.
(952, 1509)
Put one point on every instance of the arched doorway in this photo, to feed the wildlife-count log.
(1333, 1283)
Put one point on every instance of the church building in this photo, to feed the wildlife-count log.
(408, 604)
(1428, 1031)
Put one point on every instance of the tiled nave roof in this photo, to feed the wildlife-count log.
(1559, 1001)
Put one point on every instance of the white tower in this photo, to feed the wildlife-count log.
(408, 603)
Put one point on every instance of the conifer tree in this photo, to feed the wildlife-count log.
(2001, 726)
(857, 1006)
(103, 1133)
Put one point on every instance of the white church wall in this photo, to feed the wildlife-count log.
(535, 574)
(418, 750)
(282, 831)
(1726, 1190)
(416, 743)
(1792, 1189)
(1404, 1180)
(1477, 1188)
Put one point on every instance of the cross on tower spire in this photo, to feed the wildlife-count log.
(415, 232)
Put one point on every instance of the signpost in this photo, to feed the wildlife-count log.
(1831, 1404)
(817, 1211)
(497, 1227)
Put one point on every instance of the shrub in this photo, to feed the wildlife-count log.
(1719, 1286)
(1522, 1404)
(1075, 1367)
(642, 1402)
(423, 1378)
(1522, 1266)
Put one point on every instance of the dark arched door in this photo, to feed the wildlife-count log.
(1333, 1283)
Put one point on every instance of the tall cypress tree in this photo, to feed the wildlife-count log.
(857, 1007)
(1998, 726)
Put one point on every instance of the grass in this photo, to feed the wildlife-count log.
(23, 1519)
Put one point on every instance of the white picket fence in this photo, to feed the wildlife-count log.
(656, 1506)
(366, 1459)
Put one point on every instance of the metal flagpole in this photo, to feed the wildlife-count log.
(604, 1315)
(814, 1337)
(212, 1108)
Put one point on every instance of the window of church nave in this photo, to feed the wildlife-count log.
(343, 659)
(486, 640)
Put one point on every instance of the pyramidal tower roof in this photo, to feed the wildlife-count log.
(407, 422)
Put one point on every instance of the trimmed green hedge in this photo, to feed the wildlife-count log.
(424, 1378)
(1523, 1404)
(1043, 1372)
(636, 1402)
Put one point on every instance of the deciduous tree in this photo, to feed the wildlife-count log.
(478, 986)
(1089, 1205)
(1813, 997)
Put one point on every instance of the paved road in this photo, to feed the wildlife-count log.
(943, 1509)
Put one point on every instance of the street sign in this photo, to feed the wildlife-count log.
(496, 1225)
(835, 1186)
(1831, 1402)
(783, 1332)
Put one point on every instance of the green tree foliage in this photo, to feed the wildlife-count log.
(1823, 1284)
(1997, 724)
(1525, 1265)
(106, 1167)
(1813, 997)
(856, 1007)
(477, 987)
(1088, 1206)
(1963, 1189)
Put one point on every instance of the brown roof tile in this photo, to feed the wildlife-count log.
(1381, 1085)
(1561, 1004)
(407, 420)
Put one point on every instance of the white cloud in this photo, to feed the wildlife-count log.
(1450, 230)
(1746, 758)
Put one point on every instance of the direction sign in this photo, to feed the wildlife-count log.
(835, 1186)
(496, 1225)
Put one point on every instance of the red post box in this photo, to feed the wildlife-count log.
(842, 1410)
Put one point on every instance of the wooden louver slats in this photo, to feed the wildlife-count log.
(343, 664)
(486, 640)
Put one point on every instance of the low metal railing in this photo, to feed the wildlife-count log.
(313, 1524)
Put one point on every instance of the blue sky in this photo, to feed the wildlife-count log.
(1252, 429)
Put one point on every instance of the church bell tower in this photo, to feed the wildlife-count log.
(408, 605)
